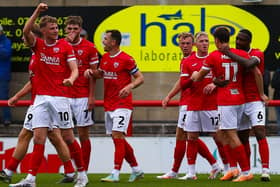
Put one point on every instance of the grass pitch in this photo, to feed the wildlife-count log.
(150, 180)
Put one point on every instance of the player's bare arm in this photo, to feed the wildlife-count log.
(174, 91)
(25, 90)
(138, 80)
(259, 82)
(27, 34)
(220, 81)
(248, 63)
(74, 74)
(198, 76)
(92, 83)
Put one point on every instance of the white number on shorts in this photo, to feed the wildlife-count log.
(64, 116)
(228, 70)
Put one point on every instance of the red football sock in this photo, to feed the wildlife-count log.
(222, 152)
(264, 152)
(76, 154)
(36, 158)
(204, 152)
(247, 151)
(229, 155)
(119, 153)
(240, 155)
(129, 155)
(68, 167)
(179, 152)
(192, 150)
(13, 164)
(86, 148)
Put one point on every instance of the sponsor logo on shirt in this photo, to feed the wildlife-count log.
(49, 59)
(110, 75)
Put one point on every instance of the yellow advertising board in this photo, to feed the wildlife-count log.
(150, 32)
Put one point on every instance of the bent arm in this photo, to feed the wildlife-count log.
(27, 34)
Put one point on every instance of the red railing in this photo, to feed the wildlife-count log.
(138, 103)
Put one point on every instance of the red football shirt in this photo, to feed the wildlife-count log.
(53, 66)
(249, 84)
(223, 66)
(86, 55)
(117, 71)
(199, 100)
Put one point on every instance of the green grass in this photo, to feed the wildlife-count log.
(49, 180)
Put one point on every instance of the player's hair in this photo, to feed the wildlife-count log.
(115, 35)
(47, 19)
(35, 29)
(74, 20)
(201, 33)
(185, 35)
(222, 33)
(248, 33)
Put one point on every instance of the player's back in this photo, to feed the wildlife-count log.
(225, 67)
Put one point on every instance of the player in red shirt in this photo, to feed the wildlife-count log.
(117, 68)
(81, 94)
(202, 113)
(57, 69)
(186, 41)
(254, 114)
(230, 98)
(26, 133)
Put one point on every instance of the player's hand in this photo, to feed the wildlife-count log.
(209, 88)
(165, 102)
(70, 37)
(220, 82)
(125, 91)
(91, 103)
(265, 99)
(68, 82)
(88, 73)
(12, 101)
(194, 76)
(42, 7)
(224, 48)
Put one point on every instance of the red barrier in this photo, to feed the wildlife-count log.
(137, 103)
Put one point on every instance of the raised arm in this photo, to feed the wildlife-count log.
(247, 63)
(27, 34)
